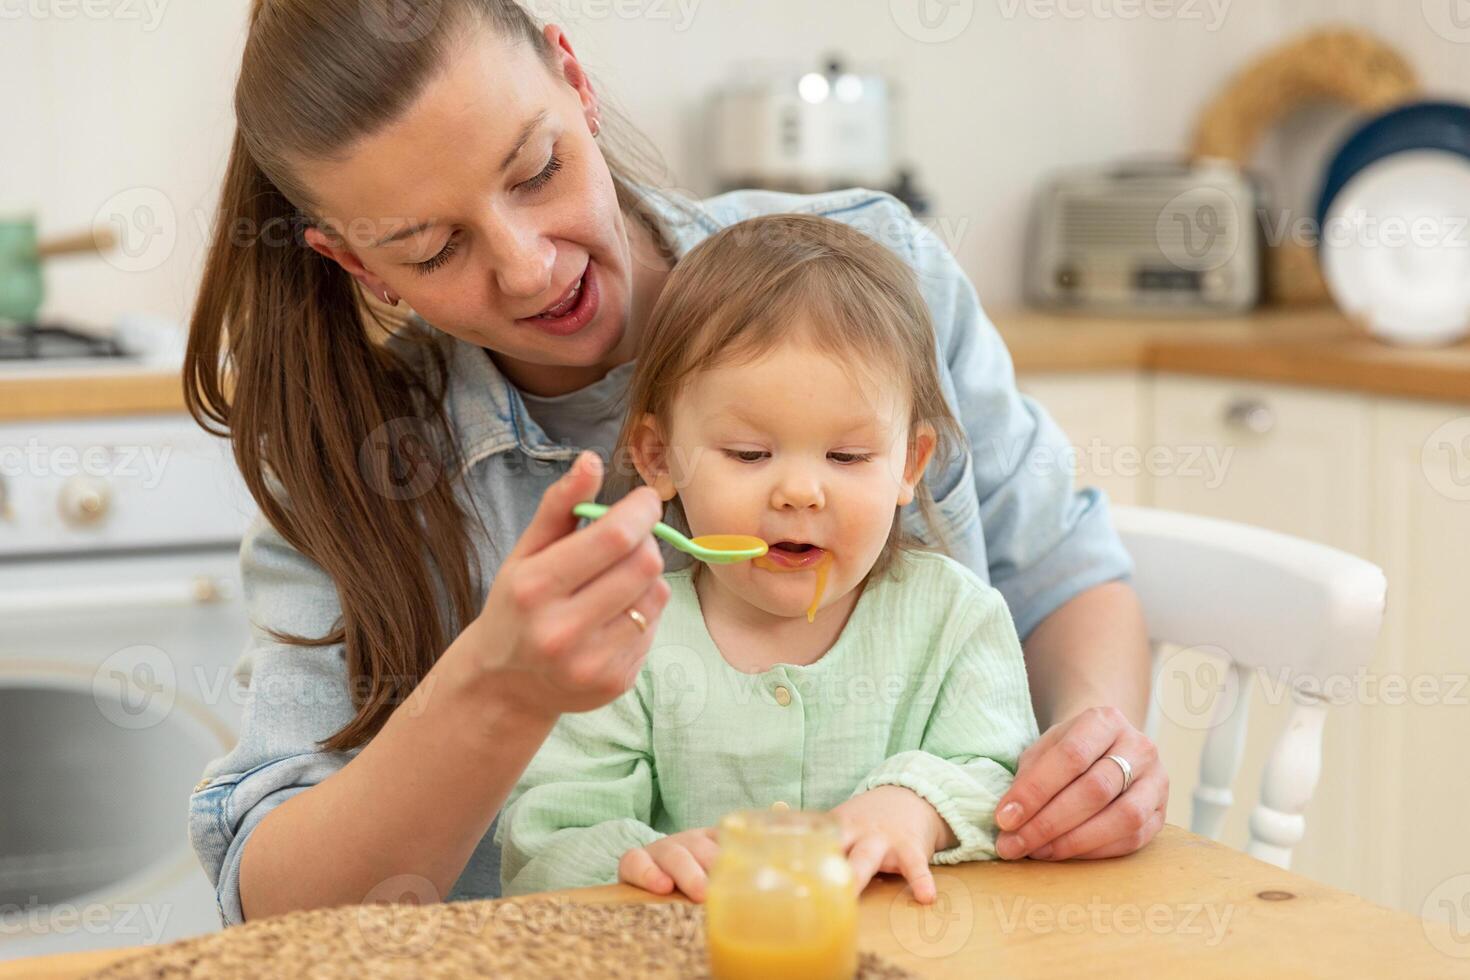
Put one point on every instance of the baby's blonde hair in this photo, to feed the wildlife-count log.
(741, 292)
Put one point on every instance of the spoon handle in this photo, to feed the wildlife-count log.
(661, 530)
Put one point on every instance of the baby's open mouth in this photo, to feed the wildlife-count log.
(795, 554)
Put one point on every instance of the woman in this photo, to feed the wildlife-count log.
(424, 604)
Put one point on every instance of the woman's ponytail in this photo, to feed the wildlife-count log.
(325, 422)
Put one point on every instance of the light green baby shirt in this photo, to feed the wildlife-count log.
(925, 688)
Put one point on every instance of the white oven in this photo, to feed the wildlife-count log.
(120, 623)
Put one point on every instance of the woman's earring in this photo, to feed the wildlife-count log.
(389, 299)
(596, 127)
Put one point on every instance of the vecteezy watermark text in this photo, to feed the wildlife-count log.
(149, 12)
(142, 922)
(37, 459)
(1211, 13)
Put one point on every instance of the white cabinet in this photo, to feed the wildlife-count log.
(1288, 459)
(1388, 479)
(1421, 708)
(1105, 418)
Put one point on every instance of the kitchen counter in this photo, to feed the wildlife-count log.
(1317, 347)
(50, 394)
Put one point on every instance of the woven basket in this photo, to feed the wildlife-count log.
(1346, 67)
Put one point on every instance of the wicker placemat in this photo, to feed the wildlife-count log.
(533, 938)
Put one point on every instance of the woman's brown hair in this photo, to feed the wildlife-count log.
(742, 291)
(284, 351)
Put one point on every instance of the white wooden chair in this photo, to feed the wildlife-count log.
(1270, 602)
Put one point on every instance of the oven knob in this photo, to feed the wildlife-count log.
(84, 501)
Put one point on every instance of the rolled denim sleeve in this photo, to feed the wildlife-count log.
(1044, 541)
(295, 696)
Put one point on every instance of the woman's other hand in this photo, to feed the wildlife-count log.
(1066, 801)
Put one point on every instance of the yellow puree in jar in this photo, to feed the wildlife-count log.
(804, 930)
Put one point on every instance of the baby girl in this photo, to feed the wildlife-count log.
(787, 388)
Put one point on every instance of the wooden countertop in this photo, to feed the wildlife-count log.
(1317, 347)
(1183, 906)
(53, 395)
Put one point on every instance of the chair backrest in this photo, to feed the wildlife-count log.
(1297, 610)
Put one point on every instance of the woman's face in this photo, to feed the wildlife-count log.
(486, 204)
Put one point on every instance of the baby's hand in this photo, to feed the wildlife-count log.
(893, 829)
(681, 859)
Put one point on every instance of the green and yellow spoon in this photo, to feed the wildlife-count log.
(716, 549)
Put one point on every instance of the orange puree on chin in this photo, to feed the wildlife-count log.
(822, 565)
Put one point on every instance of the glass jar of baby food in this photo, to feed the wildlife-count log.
(781, 900)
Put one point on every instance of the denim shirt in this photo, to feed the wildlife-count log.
(1007, 507)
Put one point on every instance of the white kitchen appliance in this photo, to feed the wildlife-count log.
(1160, 237)
(803, 131)
(120, 623)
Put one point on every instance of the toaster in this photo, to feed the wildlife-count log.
(1159, 237)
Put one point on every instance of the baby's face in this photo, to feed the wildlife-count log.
(802, 451)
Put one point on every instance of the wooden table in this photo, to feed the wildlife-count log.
(1183, 906)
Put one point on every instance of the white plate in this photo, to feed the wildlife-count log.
(1396, 248)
